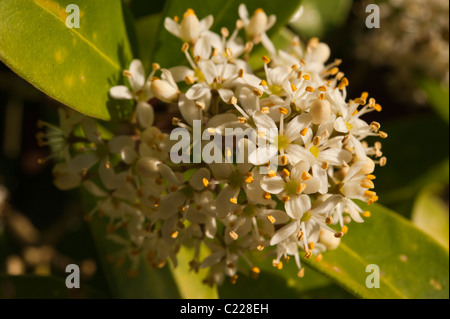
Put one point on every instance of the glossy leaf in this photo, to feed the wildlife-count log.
(168, 52)
(42, 287)
(321, 16)
(431, 214)
(282, 284)
(190, 283)
(75, 66)
(411, 264)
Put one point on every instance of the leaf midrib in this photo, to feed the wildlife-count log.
(79, 35)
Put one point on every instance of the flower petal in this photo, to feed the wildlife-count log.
(121, 92)
(273, 185)
(297, 206)
(284, 233)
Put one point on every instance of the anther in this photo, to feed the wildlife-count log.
(185, 47)
(234, 235)
(283, 110)
(265, 59)
(306, 176)
(271, 219)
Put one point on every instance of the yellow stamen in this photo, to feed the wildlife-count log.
(233, 200)
(306, 176)
(265, 59)
(267, 195)
(309, 89)
(284, 199)
(301, 273)
(234, 235)
(300, 188)
(271, 219)
(189, 12)
(304, 131)
(283, 159)
(360, 101)
(271, 173)
(174, 234)
(366, 214)
(263, 83)
(293, 87)
(249, 177)
(372, 200)
(345, 229)
(283, 110)
(205, 182)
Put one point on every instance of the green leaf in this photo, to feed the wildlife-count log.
(438, 96)
(74, 66)
(189, 283)
(282, 284)
(42, 287)
(146, 29)
(321, 16)
(412, 264)
(430, 214)
(168, 48)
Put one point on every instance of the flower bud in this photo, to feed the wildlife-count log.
(190, 26)
(369, 166)
(329, 240)
(321, 53)
(257, 24)
(320, 110)
(147, 167)
(163, 91)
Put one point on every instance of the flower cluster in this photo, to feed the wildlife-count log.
(298, 207)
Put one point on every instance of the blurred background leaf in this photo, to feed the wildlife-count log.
(430, 213)
(43, 287)
(321, 16)
(438, 96)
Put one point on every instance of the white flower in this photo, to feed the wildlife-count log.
(257, 25)
(140, 92)
(282, 139)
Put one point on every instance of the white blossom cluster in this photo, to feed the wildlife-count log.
(297, 208)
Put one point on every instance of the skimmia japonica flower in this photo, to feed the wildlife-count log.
(283, 182)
